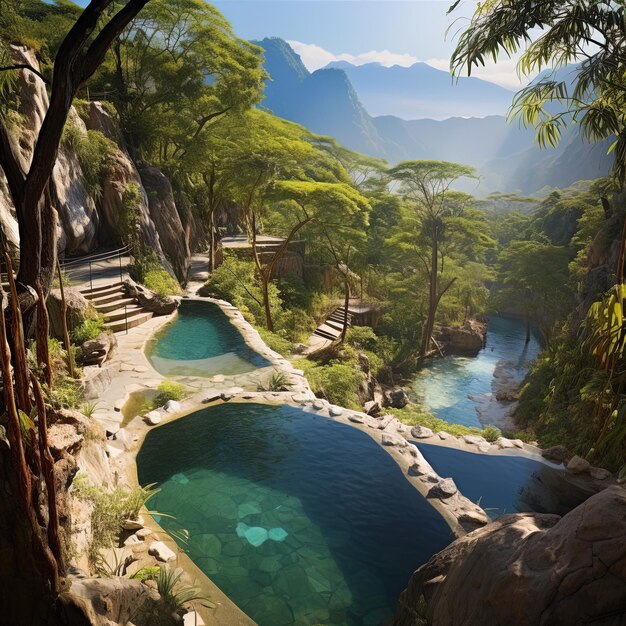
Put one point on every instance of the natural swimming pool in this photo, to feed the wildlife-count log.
(201, 341)
(299, 519)
(503, 484)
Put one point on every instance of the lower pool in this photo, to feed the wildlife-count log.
(503, 484)
(299, 519)
(201, 341)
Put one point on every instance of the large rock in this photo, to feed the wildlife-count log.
(529, 569)
(174, 239)
(102, 601)
(398, 399)
(97, 351)
(77, 308)
(467, 339)
(150, 301)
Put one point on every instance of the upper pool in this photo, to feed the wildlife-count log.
(299, 519)
(201, 341)
(503, 484)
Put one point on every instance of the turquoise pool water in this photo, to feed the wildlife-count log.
(504, 484)
(457, 389)
(201, 341)
(299, 519)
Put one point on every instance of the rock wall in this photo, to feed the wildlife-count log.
(528, 569)
(84, 224)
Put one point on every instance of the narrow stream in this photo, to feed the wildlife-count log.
(460, 389)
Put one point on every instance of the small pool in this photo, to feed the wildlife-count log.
(503, 484)
(299, 519)
(201, 341)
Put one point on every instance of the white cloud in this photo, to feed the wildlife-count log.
(503, 73)
(314, 56)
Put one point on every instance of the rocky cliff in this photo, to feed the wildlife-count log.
(528, 569)
(86, 220)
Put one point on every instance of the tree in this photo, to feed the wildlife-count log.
(534, 276)
(33, 561)
(337, 214)
(174, 71)
(425, 185)
(79, 55)
(553, 34)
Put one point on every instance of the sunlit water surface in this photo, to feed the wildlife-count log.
(455, 388)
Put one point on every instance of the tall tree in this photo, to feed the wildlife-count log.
(79, 55)
(425, 185)
(32, 563)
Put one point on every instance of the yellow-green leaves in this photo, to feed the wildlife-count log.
(606, 326)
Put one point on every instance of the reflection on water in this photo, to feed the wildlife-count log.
(300, 520)
(455, 388)
(506, 484)
(201, 341)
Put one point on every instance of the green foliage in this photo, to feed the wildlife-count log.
(110, 509)
(552, 35)
(337, 382)
(276, 342)
(415, 415)
(161, 282)
(88, 329)
(169, 390)
(175, 594)
(92, 149)
(277, 381)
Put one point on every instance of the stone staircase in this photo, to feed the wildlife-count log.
(332, 327)
(119, 311)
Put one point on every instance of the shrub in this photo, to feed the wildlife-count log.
(88, 329)
(491, 433)
(161, 282)
(110, 509)
(175, 594)
(337, 382)
(276, 342)
(169, 390)
(276, 382)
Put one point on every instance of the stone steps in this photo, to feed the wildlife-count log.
(120, 311)
(132, 321)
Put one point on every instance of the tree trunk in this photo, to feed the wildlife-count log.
(432, 301)
(265, 279)
(527, 325)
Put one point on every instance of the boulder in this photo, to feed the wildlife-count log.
(578, 465)
(96, 380)
(599, 473)
(102, 601)
(528, 569)
(172, 406)
(335, 411)
(148, 300)
(97, 351)
(161, 552)
(421, 432)
(77, 310)
(398, 399)
(557, 454)
(474, 439)
(153, 418)
(468, 339)
(390, 440)
(64, 438)
(371, 407)
(445, 488)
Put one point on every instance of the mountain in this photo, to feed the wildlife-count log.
(422, 91)
(324, 101)
(504, 154)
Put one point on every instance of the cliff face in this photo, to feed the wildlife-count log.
(85, 223)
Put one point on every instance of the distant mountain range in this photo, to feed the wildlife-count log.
(327, 102)
(421, 91)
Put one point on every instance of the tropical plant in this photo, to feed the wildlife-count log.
(277, 381)
(587, 38)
